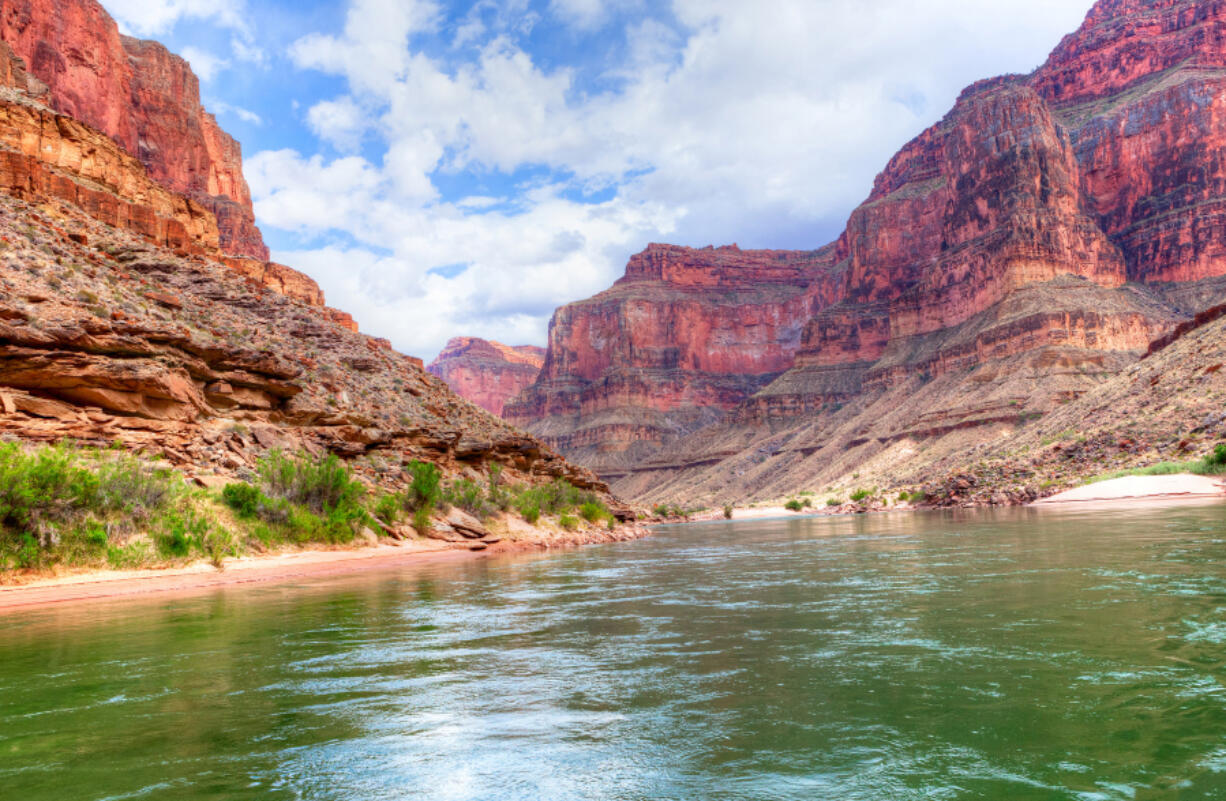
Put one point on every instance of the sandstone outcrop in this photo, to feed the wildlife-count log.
(47, 154)
(108, 339)
(684, 337)
(143, 97)
(123, 321)
(487, 373)
(1010, 259)
(44, 154)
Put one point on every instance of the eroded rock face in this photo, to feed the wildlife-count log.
(106, 338)
(44, 154)
(50, 155)
(487, 373)
(684, 337)
(999, 240)
(143, 97)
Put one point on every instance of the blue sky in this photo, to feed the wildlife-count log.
(463, 168)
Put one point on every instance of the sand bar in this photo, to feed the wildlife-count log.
(1143, 488)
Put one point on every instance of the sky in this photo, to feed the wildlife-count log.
(464, 168)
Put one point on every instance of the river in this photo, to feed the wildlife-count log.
(1016, 654)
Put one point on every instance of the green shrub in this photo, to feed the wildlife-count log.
(568, 522)
(180, 534)
(95, 534)
(530, 512)
(727, 511)
(793, 505)
(425, 493)
(834, 502)
(323, 486)
(593, 511)
(425, 488)
(54, 501)
(243, 498)
(860, 495)
(388, 508)
(471, 497)
(660, 510)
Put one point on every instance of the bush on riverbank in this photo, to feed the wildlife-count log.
(85, 506)
(89, 507)
(300, 499)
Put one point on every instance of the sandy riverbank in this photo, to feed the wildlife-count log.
(1143, 489)
(283, 567)
(1130, 491)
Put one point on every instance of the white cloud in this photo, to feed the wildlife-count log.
(246, 115)
(246, 51)
(764, 128)
(583, 14)
(152, 17)
(204, 64)
(340, 122)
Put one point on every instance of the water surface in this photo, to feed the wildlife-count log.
(1008, 655)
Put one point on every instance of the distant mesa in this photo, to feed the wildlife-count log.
(487, 373)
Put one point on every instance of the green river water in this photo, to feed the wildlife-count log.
(1019, 654)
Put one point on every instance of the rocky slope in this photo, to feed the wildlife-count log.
(1022, 251)
(123, 323)
(144, 98)
(487, 373)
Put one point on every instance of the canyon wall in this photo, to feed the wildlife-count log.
(682, 339)
(1011, 258)
(123, 323)
(143, 97)
(185, 192)
(487, 373)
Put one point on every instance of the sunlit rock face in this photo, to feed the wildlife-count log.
(143, 97)
(1047, 220)
(684, 337)
(487, 373)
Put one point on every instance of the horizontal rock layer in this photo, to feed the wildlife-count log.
(107, 338)
(994, 272)
(143, 97)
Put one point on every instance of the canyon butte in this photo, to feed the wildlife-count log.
(139, 308)
(1012, 266)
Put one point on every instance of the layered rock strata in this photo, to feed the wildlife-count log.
(50, 155)
(107, 339)
(1009, 259)
(487, 373)
(123, 324)
(682, 339)
(143, 97)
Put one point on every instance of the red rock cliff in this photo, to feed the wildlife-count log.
(487, 373)
(685, 336)
(1007, 231)
(143, 97)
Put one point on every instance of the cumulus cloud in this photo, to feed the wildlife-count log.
(204, 64)
(246, 115)
(152, 17)
(719, 120)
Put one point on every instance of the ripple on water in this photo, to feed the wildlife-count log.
(997, 655)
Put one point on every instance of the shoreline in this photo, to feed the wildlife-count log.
(98, 585)
(1130, 492)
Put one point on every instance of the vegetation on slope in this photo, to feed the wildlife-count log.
(87, 507)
